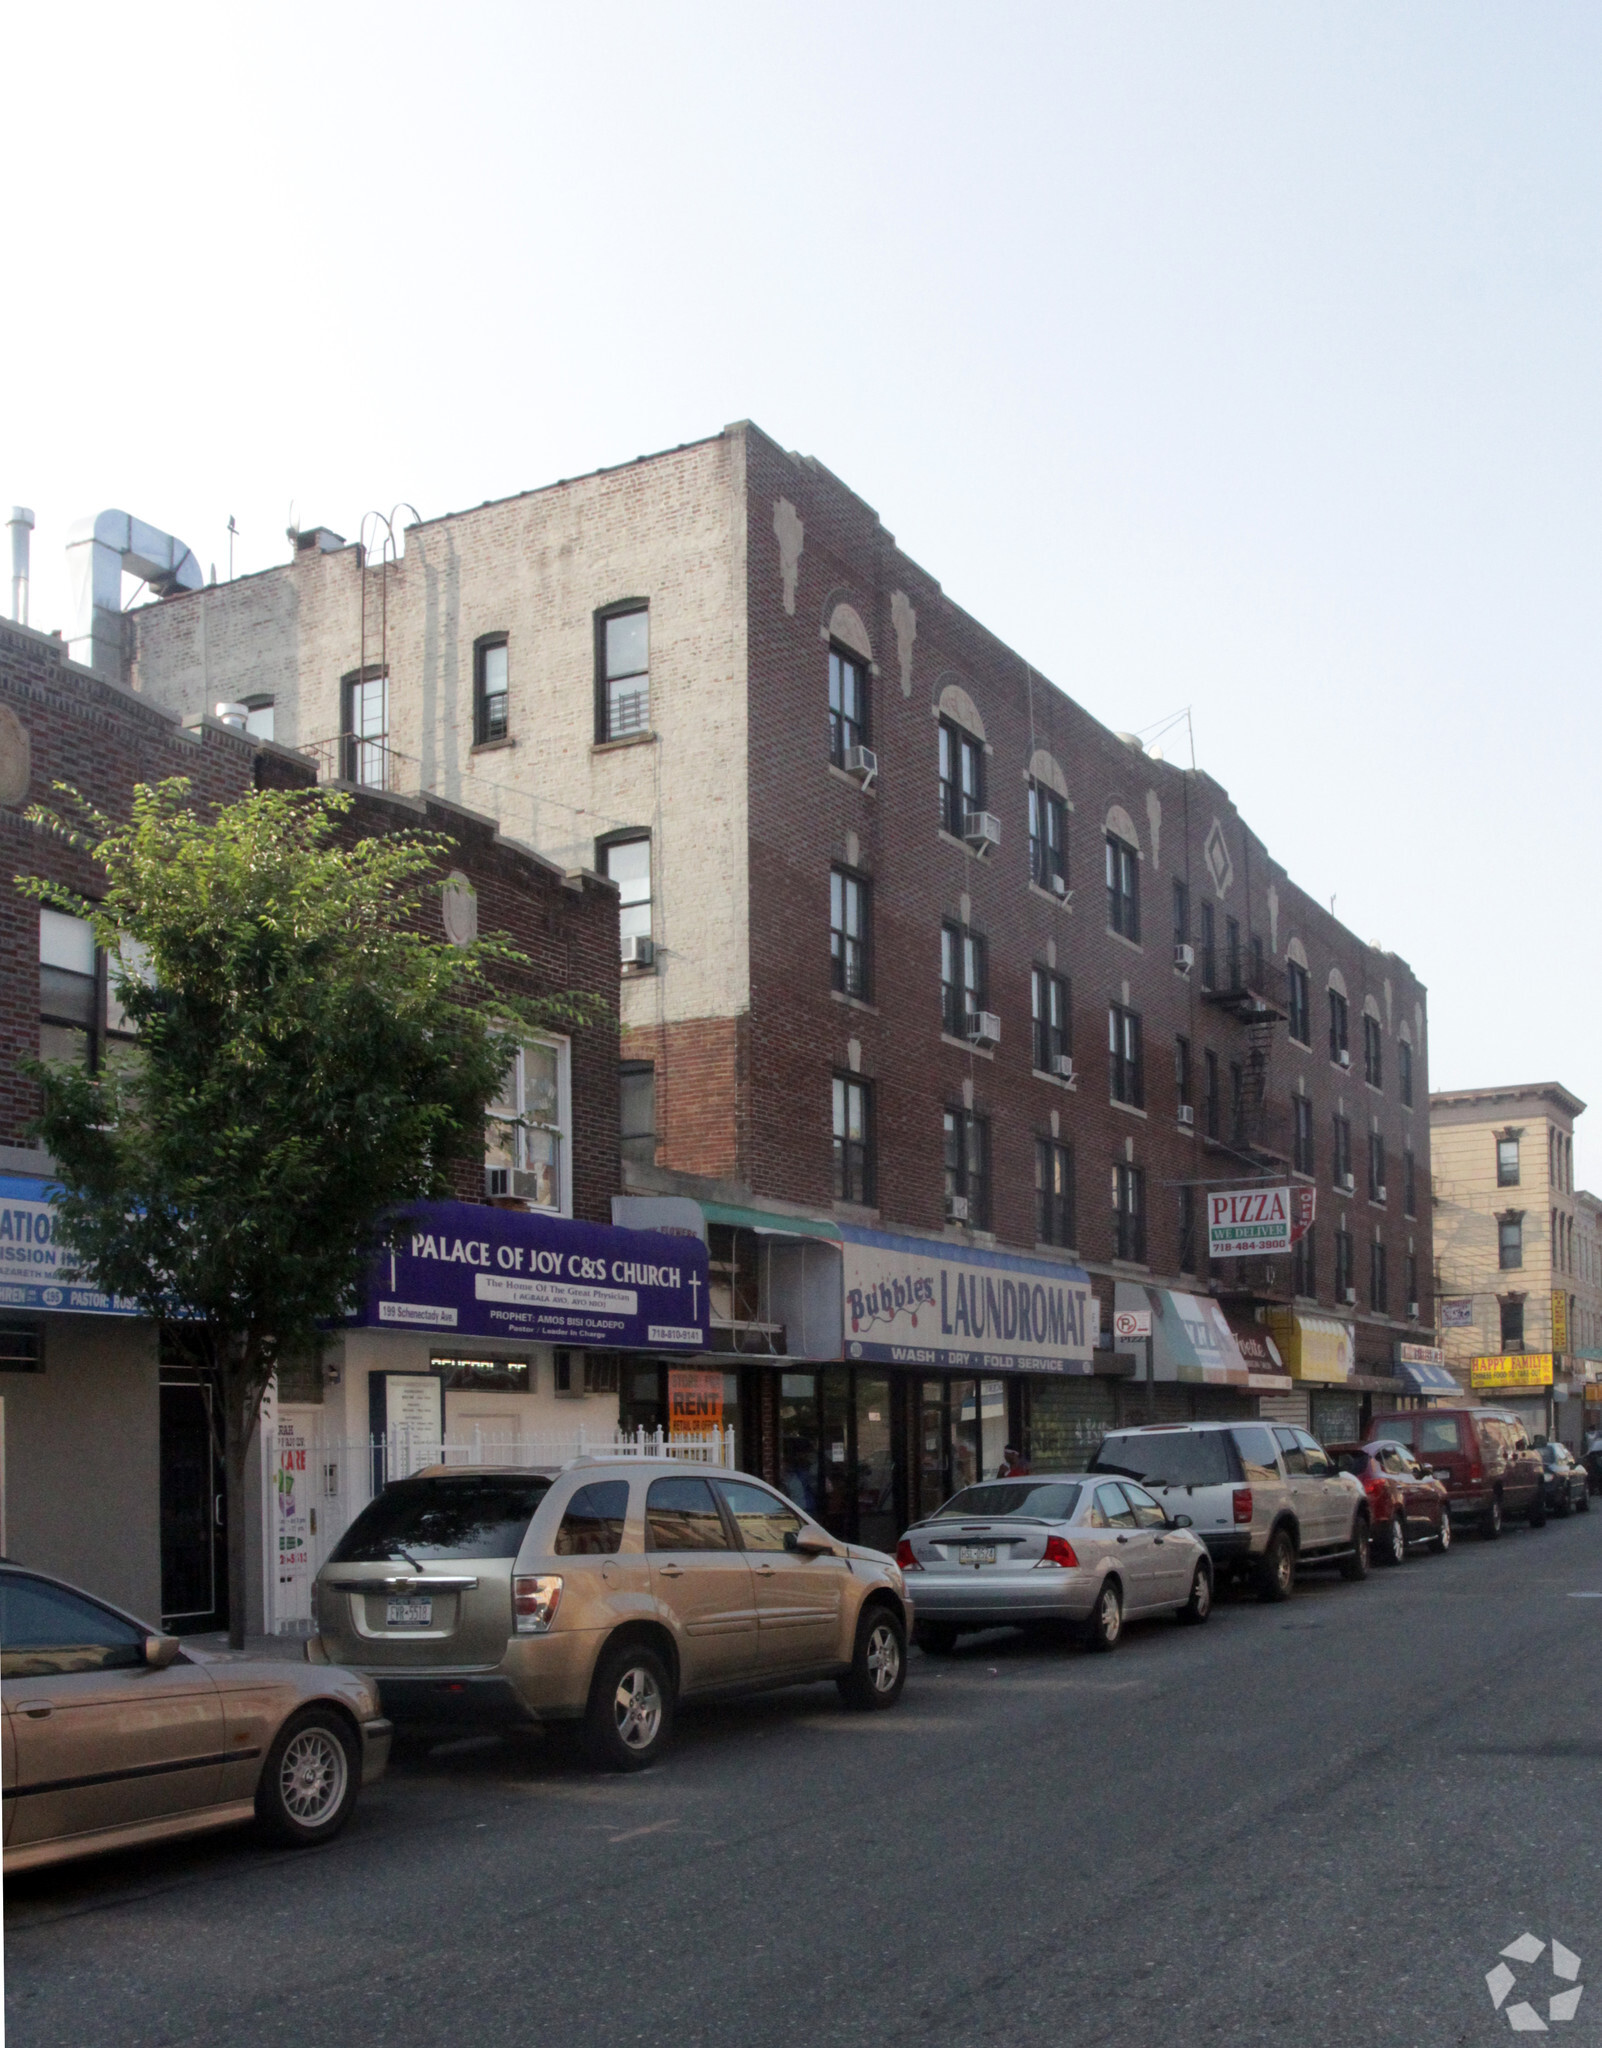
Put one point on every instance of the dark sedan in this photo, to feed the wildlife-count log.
(1407, 1504)
(1567, 1487)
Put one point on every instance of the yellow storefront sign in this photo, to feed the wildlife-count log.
(1520, 1369)
(1313, 1347)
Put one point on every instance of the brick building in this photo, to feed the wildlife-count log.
(928, 975)
(108, 1472)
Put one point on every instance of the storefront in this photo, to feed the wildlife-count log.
(1519, 1382)
(1200, 1362)
(1423, 1371)
(1319, 1353)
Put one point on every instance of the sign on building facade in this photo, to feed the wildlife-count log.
(911, 1301)
(36, 1270)
(1249, 1222)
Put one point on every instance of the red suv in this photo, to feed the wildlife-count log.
(1483, 1456)
(1406, 1504)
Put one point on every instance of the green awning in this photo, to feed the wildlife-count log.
(769, 1221)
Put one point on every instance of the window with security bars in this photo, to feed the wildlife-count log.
(1054, 1193)
(1129, 1212)
(962, 777)
(962, 977)
(1048, 840)
(1123, 889)
(848, 933)
(853, 1139)
(967, 1163)
(623, 684)
(1125, 1060)
(1302, 1134)
(1048, 1000)
(848, 705)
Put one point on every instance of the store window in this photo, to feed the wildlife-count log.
(526, 1158)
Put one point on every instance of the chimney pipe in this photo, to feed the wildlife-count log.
(21, 524)
(98, 551)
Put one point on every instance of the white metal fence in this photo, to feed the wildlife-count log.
(317, 1485)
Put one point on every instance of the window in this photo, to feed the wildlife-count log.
(1187, 1229)
(963, 977)
(1404, 1071)
(623, 673)
(525, 1155)
(49, 1632)
(628, 863)
(967, 1156)
(1123, 888)
(680, 1514)
(1507, 1162)
(853, 1140)
(962, 777)
(1410, 1276)
(848, 933)
(1129, 1213)
(1409, 1184)
(259, 717)
(1126, 1066)
(1510, 1242)
(1259, 973)
(1337, 1027)
(1209, 950)
(80, 1018)
(1378, 1291)
(1343, 1264)
(21, 1347)
(489, 692)
(637, 1111)
(1237, 1103)
(1304, 1264)
(1182, 1071)
(1512, 1324)
(1300, 990)
(764, 1521)
(1048, 1000)
(1342, 1131)
(365, 748)
(1373, 1052)
(848, 705)
(1048, 840)
(1210, 1098)
(1302, 1134)
(1054, 1193)
(1232, 952)
(1181, 913)
(1376, 1167)
(463, 1515)
(592, 1525)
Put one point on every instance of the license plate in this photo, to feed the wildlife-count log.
(976, 1553)
(410, 1613)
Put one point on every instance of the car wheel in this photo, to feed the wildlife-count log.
(1278, 1580)
(878, 1663)
(309, 1782)
(934, 1638)
(1395, 1547)
(1536, 1518)
(1443, 1535)
(1107, 1623)
(630, 1718)
(1355, 1566)
(1200, 1604)
(1491, 1520)
(1565, 1506)
(1585, 1502)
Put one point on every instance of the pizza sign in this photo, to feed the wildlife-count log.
(1246, 1222)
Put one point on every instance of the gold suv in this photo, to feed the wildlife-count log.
(603, 1596)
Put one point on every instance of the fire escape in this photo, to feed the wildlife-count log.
(1254, 1134)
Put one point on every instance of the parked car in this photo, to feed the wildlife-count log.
(1567, 1486)
(603, 1597)
(116, 1735)
(1264, 1497)
(1053, 1547)
(1408, 1505)
(1483, 1457)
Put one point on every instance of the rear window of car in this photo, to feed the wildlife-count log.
(592, 1523)
(1047, 1502)
(1185, 1458)
(1436, 1433)
(473, 1516)
(1397, 1429)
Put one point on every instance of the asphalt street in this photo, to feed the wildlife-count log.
(1316, 1823)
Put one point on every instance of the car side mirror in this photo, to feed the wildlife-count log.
(1180, 1522)
(160, 1651)
(811, 1543)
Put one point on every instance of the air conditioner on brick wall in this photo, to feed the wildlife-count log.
(982, 830)
(1187, 1115)
(1063, 1067)
(863, 763)
(1350, 1297)
(1347, 1182)
(1184, 958)
(984, 1027)
(1343, 1058)
(639, 951)
(1412, 1311)
(1059, 885)
(1379, 1193)
(956, 1208)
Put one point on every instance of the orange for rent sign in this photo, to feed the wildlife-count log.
(695, 1402)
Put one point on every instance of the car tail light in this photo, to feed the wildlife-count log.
(905, 1558)
(534, 1602)
(1243, 1503)
(1377, 1491)
(1060, 1552)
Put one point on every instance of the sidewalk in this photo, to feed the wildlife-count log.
(291, 1649)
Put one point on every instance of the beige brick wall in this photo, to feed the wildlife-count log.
(1468, 1203)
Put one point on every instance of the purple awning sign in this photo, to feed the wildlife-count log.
(509, 1273)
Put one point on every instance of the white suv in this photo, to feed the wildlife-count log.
(1262, 1496)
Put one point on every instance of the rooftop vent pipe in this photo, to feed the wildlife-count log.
(21, 524)
(98, 550)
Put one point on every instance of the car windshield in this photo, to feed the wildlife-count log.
(1049, 1501)
(1185, 1457)
(477, 1516)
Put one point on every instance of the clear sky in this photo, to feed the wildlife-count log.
(1243, 357)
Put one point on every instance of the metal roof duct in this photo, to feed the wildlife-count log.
(21, 524)
(98, 550)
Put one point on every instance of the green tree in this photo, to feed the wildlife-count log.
(309, 1061)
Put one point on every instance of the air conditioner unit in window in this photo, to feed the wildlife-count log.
(982, 830)
(1412, 1311)
(1347, 1182)
(984, 1027)
(639, 951)
(1187, 1115)
(1379, 1193)
(1063, 1067)
(531, 1187)
(1350, 1297)
(863, 763)
(1343, 1058)
(1059, 885)
(1184, 958)
(956, 1208)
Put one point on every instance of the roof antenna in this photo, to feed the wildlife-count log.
(232, 533)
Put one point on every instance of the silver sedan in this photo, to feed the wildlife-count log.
(1061, 1547)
